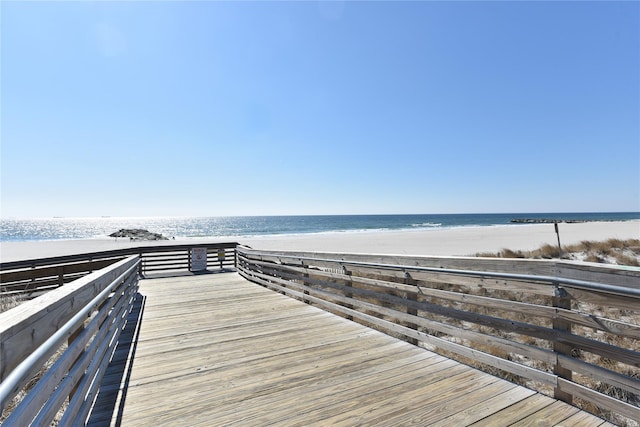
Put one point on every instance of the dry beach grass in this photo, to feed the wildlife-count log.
(610, 251)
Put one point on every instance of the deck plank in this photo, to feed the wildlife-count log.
(553, 414)
(218, 350)
(490, 404)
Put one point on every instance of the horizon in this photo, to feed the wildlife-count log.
(225, 109)
(318, 215)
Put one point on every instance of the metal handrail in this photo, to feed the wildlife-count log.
(367, 292)
(554, 280)
(16, 377)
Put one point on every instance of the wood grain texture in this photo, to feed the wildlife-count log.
(216, 349)
(25, 328)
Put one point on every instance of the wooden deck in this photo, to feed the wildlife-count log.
(216, 349)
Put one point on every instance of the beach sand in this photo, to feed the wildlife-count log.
(461, 241)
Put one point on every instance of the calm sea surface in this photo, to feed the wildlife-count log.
(184, 227)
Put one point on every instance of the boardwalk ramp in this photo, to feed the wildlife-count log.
(216, 349)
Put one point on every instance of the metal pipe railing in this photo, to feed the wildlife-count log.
(475, 324)
(554, 280)
(17, 377)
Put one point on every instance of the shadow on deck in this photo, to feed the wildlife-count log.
(113, 391)
(218, 350)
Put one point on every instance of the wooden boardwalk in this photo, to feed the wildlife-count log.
(216, 349)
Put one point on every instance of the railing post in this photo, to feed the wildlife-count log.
(563, 301)
(33, 273)
(60, 275)
(140, 265)
(349, 284)
(75, 334)
(275, 273)
(305, 284)
(222, 253)
(235, 257)
(411, 296)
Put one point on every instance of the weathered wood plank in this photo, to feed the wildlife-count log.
(626, 409)
(27, 326)
(55, 271)
(384, 286)
(583, 419)
(517, 411)
(390, 326)
(374, 291)
(553, 414)
(264, 358)
(489, 405)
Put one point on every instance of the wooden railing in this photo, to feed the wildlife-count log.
(571, 330)
(63, 341)
(178, 257)
(55, 348)
(33, 277)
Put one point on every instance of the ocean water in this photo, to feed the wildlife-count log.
(243, 226)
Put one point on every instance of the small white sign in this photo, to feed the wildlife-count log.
(198, 259)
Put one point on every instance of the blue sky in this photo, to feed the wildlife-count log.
(260, 108)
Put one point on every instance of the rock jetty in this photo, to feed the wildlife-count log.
(545, 221)
(137, 234)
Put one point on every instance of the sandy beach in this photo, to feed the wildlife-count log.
(461, 241)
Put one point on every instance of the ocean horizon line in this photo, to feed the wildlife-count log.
(277, 225)
(97, 217)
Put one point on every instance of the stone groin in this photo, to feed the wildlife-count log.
(547, 221)
(137, 234)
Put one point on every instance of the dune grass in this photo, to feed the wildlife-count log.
(8, 301)
(611, 251)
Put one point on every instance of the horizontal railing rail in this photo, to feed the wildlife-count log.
(571, 330)
(54, 349)
(33, 277)
(175, 258)
(34, 280)
(575, 336)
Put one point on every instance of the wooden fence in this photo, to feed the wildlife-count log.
(571, 330)
(33, 277)
(54, 349)
(63, 341)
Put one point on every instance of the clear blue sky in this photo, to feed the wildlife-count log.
(243, 108)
